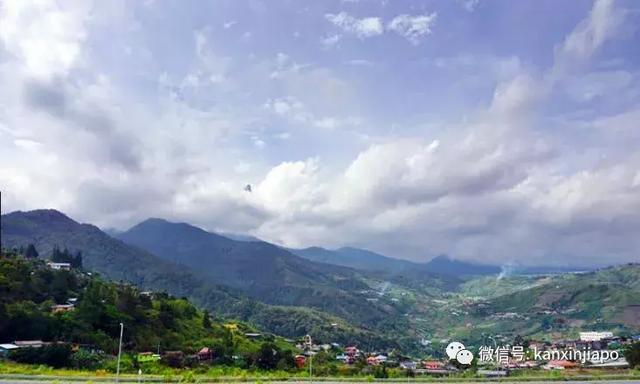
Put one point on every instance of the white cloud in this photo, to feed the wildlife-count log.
(602, 24)
(413, 28)
(470, 5)
(229, 24)
(46, 36)
(179, 135)
(333, 122)
(362, 28)
(258, 142)
(288, 106)
(330, 41)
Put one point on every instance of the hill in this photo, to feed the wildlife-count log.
(356, 258)
(258, 268)
(552, 306)
(152, 321)
(446, 266)
(365, 260)
(263, 271)
(118, 261)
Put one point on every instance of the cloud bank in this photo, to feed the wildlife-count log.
(109, 117)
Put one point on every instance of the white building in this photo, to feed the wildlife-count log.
(60, 266)
(381, 358)
(595, 336)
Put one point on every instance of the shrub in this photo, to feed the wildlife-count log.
(54, 355)
(84, 359)
(632, 354)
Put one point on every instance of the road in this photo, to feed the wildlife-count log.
(9, 381)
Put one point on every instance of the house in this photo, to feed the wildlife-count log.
(432, 364)
(408, 364)
(147, 357)
(59, 266)
(351, 351)
(205, 354)
(537, 345)
(620, 363)
(29, 343)
(493, 372)
(342, 357)
(381, 359)
(560, 364)
(61, 308)
(253, 335)
(371, 360)
(595, 336)
(300, 360)
(5, 349)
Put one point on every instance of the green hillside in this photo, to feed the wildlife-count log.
(556, 306)
(116, 260)
(261, 270)
(153, 321)
(275, 291)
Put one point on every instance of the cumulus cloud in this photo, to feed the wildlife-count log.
(362, 28)
(183, 129)
(413, 28)
(46, 36)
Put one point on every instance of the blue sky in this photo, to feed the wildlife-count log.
(501, 131)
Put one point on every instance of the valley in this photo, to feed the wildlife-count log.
(388, 304)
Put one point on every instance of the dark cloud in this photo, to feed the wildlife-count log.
(56, 98)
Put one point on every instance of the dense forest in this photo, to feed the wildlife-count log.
(88, 330)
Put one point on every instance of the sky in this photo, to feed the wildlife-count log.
(494, 131)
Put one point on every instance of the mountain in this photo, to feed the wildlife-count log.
(118, 261)
(261, 270)
(356, 258)
(239, 236)
(447, 266)
(552, 306)
(47, 229)
(362, 259)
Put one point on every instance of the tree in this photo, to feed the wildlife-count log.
(632, 354)
(268, 356)
(206, 322)
(381, 372)
(76, 261)
(55, 355)
(65, 256)
(31, 252)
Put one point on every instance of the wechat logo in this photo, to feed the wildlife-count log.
(457, 351)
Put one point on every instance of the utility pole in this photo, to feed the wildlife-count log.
(309, 343)
(0, 221)
(119, 353)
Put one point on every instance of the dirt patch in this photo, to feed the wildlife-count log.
(548, 298)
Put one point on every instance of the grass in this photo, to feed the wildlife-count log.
(219, 374)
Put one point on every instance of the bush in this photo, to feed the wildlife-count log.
(381, 372)
(84, 359)
(54, 355)
(632, 354)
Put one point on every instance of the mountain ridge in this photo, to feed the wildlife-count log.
(119, 261)
(261, 270)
